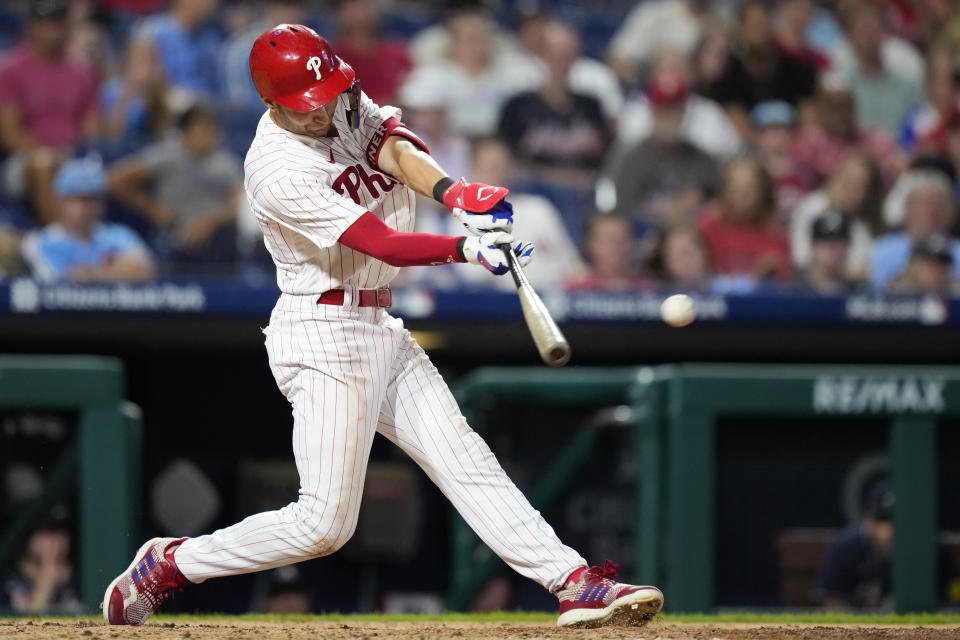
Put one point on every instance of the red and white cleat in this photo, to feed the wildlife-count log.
(139, 591)
(596, 600)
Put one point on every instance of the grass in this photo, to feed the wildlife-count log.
(822, 618)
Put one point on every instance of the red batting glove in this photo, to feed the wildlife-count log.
(474, 197)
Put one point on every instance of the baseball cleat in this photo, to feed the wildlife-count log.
(138, 592)
(596, 600)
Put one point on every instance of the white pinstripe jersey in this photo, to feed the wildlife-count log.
(306, 191)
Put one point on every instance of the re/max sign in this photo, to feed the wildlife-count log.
(852, 394)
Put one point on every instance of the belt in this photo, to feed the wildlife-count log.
(367, 297)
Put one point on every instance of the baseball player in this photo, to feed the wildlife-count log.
(330, 177)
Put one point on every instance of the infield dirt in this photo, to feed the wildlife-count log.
(87, 630)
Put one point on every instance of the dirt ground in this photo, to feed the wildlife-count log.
(86, 630)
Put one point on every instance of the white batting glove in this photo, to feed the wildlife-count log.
(499, 218)
(485, 250)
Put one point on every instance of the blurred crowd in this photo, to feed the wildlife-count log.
(728, 146)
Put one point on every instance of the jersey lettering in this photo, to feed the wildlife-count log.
(349, 182)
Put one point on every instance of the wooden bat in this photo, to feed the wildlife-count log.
(553, 347)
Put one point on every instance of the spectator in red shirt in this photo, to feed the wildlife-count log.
(383, 64)
(741, 230)
(823, 145)
(48, 105)
(610, 247)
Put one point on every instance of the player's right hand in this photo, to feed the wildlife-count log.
(485, 250)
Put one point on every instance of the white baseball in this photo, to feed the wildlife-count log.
(678, 310)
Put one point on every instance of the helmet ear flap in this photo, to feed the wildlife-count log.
(353, 112)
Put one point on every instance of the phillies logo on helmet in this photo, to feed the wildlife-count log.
(315, 64)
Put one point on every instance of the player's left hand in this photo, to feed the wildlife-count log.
(479, 207)
(485, 250)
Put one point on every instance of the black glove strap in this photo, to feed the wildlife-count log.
(442, 185)
(460, 244)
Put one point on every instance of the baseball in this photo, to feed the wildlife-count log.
(678, 310)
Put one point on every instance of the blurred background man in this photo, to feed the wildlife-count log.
(78, 246)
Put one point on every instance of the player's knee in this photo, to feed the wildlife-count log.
(323, 534)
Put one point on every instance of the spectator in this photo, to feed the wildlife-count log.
(823, 145)
(864, 28)
(742, 234)
(553, 127)
(895, 203)
(923, 123)
(137, 106)
(48, 106)
(680, 259)
(883, 93)
(43, 580)
(758, 71)
(652, 27)
(588, 76)
(826, 272)
(711, 59)
(237, 83)
(930, 209)
(794, 18)
(79, 246)
(663, 178)
(855, 191)
(196, 186)
(930, 270)
(477, 79)
(383, 63)
(704, 123)
(188, 44)
(774, 133)
(610, 247)
(535, 219)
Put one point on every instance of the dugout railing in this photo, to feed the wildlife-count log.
(100, 463)
(676, 409)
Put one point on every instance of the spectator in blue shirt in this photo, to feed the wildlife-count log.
(78, 246)
(189, 45)
(930, 209)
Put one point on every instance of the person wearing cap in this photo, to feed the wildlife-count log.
(835, 133)
(663, 178)
(930, 209)
(774, 131)
(856, 571)
(79, 246)
(48, 105)
(705, 124)
(827, 273)
(855, 190)
(930, 269)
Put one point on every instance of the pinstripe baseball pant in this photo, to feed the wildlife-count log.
(350, 372)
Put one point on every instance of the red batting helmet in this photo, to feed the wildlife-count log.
(294, 66)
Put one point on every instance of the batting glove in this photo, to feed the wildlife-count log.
(479, 207)
(485, 250)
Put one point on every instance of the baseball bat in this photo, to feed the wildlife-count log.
(552, 345)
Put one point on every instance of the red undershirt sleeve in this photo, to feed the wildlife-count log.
(370, 236)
